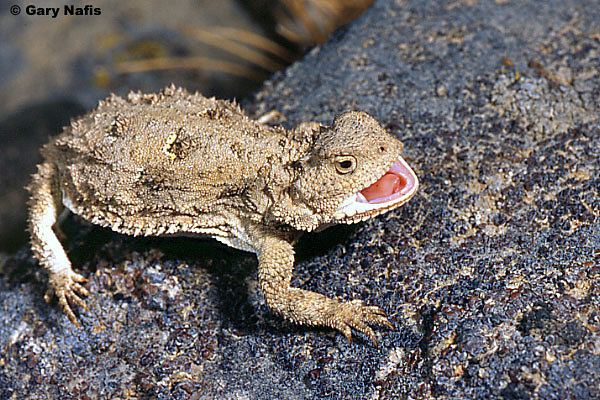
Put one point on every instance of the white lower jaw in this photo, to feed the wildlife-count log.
(355, 206)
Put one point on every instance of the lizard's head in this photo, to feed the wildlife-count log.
(353, 171)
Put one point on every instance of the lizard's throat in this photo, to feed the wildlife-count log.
(391, 190)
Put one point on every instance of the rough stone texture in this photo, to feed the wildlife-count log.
(490, 273)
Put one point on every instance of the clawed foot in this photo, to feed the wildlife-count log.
(67, 289)
(358, 316)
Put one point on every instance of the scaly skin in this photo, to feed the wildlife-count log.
(276, 262)
(43, 211)
(179, 163)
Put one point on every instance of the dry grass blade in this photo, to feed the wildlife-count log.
(311, 21)
(299, 11)
(201, 63)
(287, 29)
(226, 44)
(306, 22)
(256, 40)
(342, 11)
(331, 9)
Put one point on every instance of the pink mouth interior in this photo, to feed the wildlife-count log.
(398, 181)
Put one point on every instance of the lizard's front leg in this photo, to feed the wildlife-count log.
(44, 208)
(276, 262)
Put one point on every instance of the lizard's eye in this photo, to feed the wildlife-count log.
(345, 164)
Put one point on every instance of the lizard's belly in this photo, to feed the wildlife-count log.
(230, 233)
(234, 236)
(236, 243)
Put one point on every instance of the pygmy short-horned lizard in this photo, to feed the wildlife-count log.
(176, 163)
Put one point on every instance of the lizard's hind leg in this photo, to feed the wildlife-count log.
(45, 205)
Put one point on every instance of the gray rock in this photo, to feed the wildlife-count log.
(490, 273)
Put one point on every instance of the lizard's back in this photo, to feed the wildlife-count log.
(169, 154)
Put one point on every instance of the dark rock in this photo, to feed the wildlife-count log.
(490, 274)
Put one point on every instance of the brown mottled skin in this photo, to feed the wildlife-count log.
(180, 163)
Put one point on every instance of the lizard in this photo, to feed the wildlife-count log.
(178, 163)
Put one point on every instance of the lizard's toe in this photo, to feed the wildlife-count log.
(68, 290)
(74, 298)
(364, 329)
(376, 316)
(78, 278)
(357, 316)
(80, 290)
(346, 331)
(66, 307)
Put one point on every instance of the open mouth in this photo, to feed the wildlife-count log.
(391, 190)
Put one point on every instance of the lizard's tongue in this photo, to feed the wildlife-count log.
(396, 182)
(387, 185)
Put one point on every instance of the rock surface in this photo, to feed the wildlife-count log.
(491, 273)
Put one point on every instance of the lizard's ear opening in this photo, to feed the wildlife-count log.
(294, 213)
